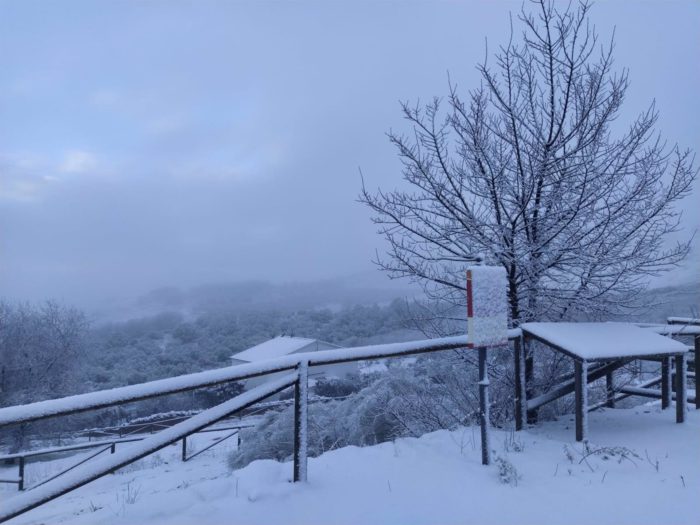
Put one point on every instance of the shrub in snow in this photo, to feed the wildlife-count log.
(607, 453)
(438, 392)
(171, 414)
(361, 419)
(336, 387)
(507, 473)
(208, 397)
(512, 443)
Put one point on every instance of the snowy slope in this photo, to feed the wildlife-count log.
(434, 479)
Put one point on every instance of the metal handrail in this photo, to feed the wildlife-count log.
(110, 444)
(101, 467)
(95, 444)
(185, 383)
(683, 320)
(185, 457)
(67, 448)
(299, 379)
(110, 447)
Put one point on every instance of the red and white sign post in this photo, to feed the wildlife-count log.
(487, 326)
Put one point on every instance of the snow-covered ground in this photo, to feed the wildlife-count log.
(642, 468)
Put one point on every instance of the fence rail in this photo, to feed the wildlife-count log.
(298, 364)
(101, 467)
(683, 320)
(109, 444)
(186, 383)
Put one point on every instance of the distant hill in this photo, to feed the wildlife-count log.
(360, 289)
(660, 303)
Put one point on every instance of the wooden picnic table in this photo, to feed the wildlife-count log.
(598, 349)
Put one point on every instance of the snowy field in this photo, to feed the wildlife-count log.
(641, 468)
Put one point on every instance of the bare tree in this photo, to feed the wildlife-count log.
(532, 170)
(39, 348)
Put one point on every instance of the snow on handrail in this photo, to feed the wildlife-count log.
(95, 444)
(67, 448)
(116, 396)
(683, 320)
(91, 471)
(671, 329)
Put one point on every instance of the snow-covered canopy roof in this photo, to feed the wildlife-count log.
(591, 341)
(277, 347)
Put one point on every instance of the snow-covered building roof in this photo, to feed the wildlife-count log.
(280, 346)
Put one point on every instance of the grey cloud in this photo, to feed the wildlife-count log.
(227, 136)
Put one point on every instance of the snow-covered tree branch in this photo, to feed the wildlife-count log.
(533, 170)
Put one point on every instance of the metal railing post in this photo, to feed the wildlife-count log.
(301, 421)
(184, 448)
(484, 416)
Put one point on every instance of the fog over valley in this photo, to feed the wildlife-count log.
(209, 142)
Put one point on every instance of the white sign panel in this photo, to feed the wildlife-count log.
(487, 306)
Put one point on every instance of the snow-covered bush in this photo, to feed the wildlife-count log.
(507, 473)
(437, 392)
(360, 419)
(336, 387)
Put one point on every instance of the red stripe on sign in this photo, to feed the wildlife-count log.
(470, 306)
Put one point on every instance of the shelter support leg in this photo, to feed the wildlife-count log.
(20, 485)
(695, 369)
(529, 376)
(610, 389)
(665, 382)
(484, 419)
(301, 421)
(681, 394)
(581, 389)
(520, 384)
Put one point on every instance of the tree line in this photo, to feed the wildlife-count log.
(51, 350)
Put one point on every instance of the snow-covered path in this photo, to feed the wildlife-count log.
(436, 479)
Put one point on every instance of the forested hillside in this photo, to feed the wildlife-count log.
(164, 345)
(167, 344)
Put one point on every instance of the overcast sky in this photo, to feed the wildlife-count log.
(150, 143)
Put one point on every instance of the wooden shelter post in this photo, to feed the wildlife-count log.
(529, 376)
(20, 485)
(581, 379)
(610, 389)
(520, 384)
(695, 369)
(665, 382)
(681, 394)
